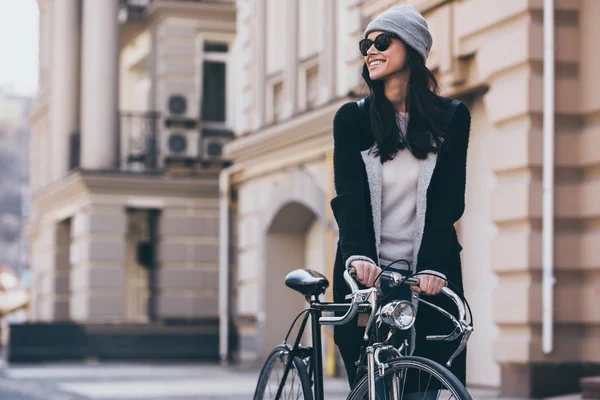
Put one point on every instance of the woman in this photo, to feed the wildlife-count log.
(399, 171)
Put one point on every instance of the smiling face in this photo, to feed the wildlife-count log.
(383, 64)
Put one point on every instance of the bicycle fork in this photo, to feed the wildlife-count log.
(371, 372)
(373, 362)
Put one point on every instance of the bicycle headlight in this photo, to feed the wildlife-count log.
(400, 314)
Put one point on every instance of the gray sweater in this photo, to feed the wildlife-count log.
(399, 205)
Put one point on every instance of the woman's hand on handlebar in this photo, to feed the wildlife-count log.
(366, 272)
(428, 284)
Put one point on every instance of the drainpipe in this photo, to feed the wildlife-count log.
(548, 279)
(224, 205)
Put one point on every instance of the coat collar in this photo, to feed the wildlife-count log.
(374, 170)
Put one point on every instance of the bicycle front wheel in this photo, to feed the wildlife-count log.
(412, 378)
(297, 384)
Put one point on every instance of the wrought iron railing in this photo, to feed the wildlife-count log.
(139, 143)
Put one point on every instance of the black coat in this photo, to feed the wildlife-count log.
(440, 203)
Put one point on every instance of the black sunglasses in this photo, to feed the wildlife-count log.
(381, 42)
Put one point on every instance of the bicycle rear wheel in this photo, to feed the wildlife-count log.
(297, 385)
(412, 378)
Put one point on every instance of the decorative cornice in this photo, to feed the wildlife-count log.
(301, 128)
(205, 185)
(374, 7)
(216, 11)
(76, 187)
(100, 182)
(68, 187)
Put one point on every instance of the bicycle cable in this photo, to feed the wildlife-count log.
(457, 290)
(294, 323)
(389, 265)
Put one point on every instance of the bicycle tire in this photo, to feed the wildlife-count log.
(360, 391)
(297, 365)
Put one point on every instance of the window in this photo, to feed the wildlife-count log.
(312, 87)
(214, 82)
(213, 91)
(212, 47)
(277, 101)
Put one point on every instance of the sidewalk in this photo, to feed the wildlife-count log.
(138, 381)
(113, 381)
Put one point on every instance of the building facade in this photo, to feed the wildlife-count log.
(137, 99)
(299, 62)
(133, 109)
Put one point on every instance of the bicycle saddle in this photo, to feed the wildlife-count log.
(307, 282)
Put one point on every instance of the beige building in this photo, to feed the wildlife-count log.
(298, 62)
(134, 106)
(137, 99)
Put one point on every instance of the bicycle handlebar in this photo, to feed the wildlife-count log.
(356, 300)
(461, 327)
(395, 279)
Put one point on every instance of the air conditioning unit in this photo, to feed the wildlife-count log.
(214, 138)
(181, 104)
(181, 144)
(212, 148)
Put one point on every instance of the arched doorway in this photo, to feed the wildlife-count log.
(290, 244)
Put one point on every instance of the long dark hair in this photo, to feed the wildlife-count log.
(425, 109)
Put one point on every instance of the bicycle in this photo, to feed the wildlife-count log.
(388, 368)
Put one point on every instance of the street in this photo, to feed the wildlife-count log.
(130, 381)
(135, 381)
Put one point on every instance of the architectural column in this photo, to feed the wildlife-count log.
(327, 56)
(260, 19)
(588, 159)
(99, 88)
(188, 272)
(98, 252)
(64, 109)
(291, 57)
(517, 203)
(50, 261)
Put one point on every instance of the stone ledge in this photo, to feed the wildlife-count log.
(542, 380)
(196, 340)
(590, 388)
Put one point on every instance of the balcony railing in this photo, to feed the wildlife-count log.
(139, 141)
(149, 144)
(139, 148)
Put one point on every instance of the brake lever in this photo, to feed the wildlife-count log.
(373, 303)
(458, 330)
(463, 344)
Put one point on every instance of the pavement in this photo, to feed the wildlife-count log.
(121, 381)
(114, 381)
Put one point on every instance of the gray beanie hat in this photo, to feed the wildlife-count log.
(406, 23)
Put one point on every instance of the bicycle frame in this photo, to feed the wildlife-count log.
(366, 300)
(315, 372)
